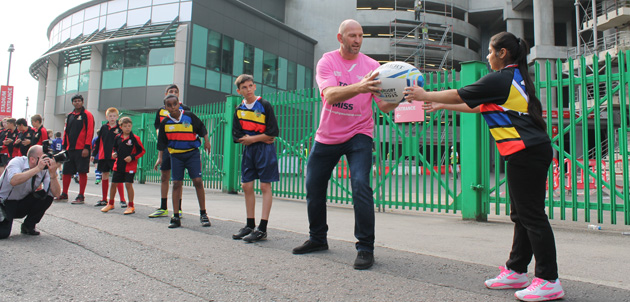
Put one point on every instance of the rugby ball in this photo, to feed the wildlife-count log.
(394, 77)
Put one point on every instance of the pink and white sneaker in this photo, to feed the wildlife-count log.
(507, 279)
(541, 290)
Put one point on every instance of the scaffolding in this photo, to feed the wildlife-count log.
(426, 45)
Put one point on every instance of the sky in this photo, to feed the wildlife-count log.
(24, 24)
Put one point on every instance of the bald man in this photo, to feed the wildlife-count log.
(347, 86)
(19, 194)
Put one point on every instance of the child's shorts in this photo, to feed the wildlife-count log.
(105, 165)
(120, 177)
(259, 162)
(190, 161)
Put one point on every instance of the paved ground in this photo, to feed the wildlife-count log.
(85, 255)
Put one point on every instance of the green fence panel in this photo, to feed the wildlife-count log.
(586, 105)
(415, 164)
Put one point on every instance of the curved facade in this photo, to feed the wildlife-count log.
(122, 53)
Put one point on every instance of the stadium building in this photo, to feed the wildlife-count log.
(123, 53)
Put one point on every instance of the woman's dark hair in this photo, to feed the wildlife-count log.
(518, 50)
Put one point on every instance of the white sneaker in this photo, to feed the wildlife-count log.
(541, 290)
(506, 279)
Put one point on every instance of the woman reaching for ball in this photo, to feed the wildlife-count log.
(508, 103)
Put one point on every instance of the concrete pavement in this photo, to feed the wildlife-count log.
(85, 255)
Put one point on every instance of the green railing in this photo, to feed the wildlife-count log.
(587, 118)
(414, 167)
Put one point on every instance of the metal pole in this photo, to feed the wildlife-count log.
(11, 49)
(578, 27)
(594, 10)
(26, 112)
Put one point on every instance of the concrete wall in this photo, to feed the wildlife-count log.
(485, 5)
(320, 20)
(273, 8)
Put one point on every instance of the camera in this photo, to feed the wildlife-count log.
(60, 157)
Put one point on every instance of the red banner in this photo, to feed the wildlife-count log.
(6, 101)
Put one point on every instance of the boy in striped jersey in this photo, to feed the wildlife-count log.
(179, 134)
(255, 127)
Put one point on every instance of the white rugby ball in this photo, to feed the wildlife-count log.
(394, 77)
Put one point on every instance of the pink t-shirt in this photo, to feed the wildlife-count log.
(340, 122)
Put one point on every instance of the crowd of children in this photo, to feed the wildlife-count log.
(17, 137)
(115, 151)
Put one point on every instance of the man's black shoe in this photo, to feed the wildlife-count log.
(175, 223)
(364, 260)
(242, 233)
(27, 231)
(309, 247)
(101, 203)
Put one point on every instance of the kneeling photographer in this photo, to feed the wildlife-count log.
(20, 192)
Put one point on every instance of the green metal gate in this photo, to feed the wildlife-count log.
(587, 118)
(414, 165)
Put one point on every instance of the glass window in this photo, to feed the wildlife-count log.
(308, 78)
(102, 22)
(114, 55)
(258, 65)
(85, 66)
(92, 12)
(270, 69)
(65, 23)
(238, 57)
(164, 13)
(61, 86)
(268, 89)
(65, 34)
(72, 85)
(160, 75)
(112, 79)
(300, 77)
(213, 80)
(103, 9)
(185, 11)
(227, 54)
(226, 83)
(197, 76)
(136, 53)
(115, 21)
(73, 69)
(84, 81)
(163, 1)
(116, 6)
(76, 30)
(162, 56)
(139, 3)
(135, 77)
(90, 26)
(282, 73)
(138, 17)
(199, 45)
(62, 72)
(77, 17)
(213, 60)
(248, 59)
(292, 76)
